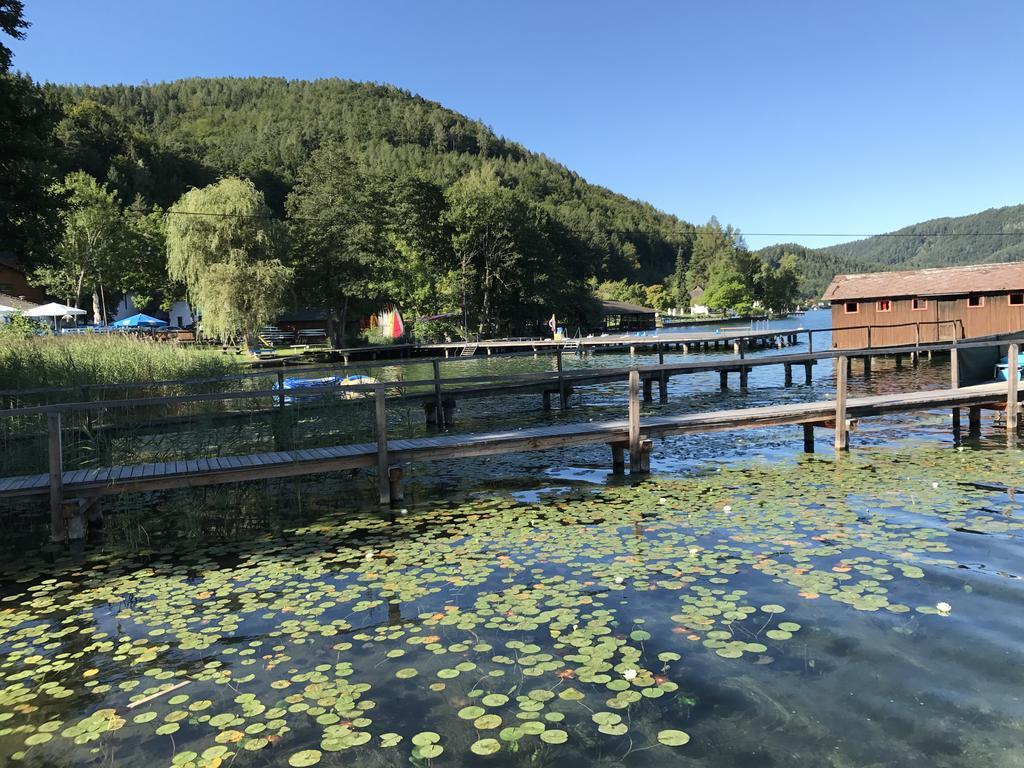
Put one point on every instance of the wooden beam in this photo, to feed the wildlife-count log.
(634, 421)
(55, 448)
(1012, 385)
(842, 441)
(383, 479)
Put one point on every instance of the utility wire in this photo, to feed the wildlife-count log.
(741, 234)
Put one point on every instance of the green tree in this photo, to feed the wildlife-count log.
(727, 287)
(339, 240)
(779, 284)
(94, 247)
(224, 246)
(659, 298)
(711, 242)
(28, 205)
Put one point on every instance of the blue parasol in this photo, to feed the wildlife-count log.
(139, 321)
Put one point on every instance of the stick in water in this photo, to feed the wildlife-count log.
(158, 694)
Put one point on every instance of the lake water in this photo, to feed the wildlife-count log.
(745, 605)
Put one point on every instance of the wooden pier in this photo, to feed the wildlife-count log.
(632, 435)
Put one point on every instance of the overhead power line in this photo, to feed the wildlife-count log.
(859, 235)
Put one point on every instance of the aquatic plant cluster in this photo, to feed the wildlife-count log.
(537, 632)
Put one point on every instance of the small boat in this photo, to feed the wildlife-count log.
(296, 382)
(1003, 368)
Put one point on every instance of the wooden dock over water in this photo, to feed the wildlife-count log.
(632, 435)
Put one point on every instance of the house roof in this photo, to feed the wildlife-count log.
(697, 293)
(947, 281)
(19, 304)
(624, 308)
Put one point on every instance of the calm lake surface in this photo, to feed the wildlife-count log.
(745, 605)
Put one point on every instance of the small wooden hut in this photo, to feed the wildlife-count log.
(885, 309)
(623, 317)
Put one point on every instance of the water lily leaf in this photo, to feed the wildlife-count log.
(673, 738)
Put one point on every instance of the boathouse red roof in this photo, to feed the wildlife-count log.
(946, 281)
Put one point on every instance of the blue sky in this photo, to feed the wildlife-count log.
(777, 117)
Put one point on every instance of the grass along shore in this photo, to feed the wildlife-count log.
(49, 361)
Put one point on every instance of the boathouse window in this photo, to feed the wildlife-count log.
(975, 301)
(1017, 299)
(920, 304)
(852, 308)
(885, 305)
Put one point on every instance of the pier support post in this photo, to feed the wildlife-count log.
(1012, 385)
(810, 342)
(899, 362)
(56, 461)
(954, 382)
(661, 355)
(807, 372)
(618, 458)
(842, 441)
(280, 389)
(737, 348)
(974, 421)
(438, 401)
(395, 484)
(546, 399)
(867, 366)
(383, 467)
(808, 438)
(788, 381)
(662, 388)
(686, 349)
(563, 396)
(634, 421)
(744, 376)
(648, 390)
(723, 380)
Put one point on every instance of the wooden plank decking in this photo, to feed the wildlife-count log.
(201, 472)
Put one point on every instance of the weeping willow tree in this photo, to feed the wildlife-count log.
(224, 245)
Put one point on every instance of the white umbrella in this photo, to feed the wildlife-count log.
(53, 310)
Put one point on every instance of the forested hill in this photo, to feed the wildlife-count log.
(994, 235)
(172, 136)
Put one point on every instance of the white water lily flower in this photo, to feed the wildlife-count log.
(694, 550)
(629, 674)
(943, 608)
(618, 579)
(727, 509)
(663, 500)
(935, 485)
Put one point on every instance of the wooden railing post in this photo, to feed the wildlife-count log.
(810, 341)
(563, 398)
(1012, 385)
(56, 461)
(634, 421)
(842, 442)
(383, 467)
(869, 337)
(954, 383)
(438, 402)
(280, 389)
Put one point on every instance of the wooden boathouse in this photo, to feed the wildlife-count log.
(887, 309)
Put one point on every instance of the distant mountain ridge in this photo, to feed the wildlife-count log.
(993, 235)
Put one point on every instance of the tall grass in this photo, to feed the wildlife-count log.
(48, 361)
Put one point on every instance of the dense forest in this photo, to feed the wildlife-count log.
(994, 235)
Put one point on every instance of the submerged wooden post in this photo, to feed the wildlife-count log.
(648, 390)
(723, 380)
(280, 389)
(383, 474)
(954, 383)
(438, 402)
(744, 374)
(808, 438)
(867, 366)
(56, 461)
(395, 484)
(842, 442)
(634, 421)
(1012, 384)
(661, 355)
(807, 372)
(974, 420)
(618, 460)
(788, 381)
(563, 397)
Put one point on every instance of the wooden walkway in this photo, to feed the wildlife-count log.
(201, 472)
